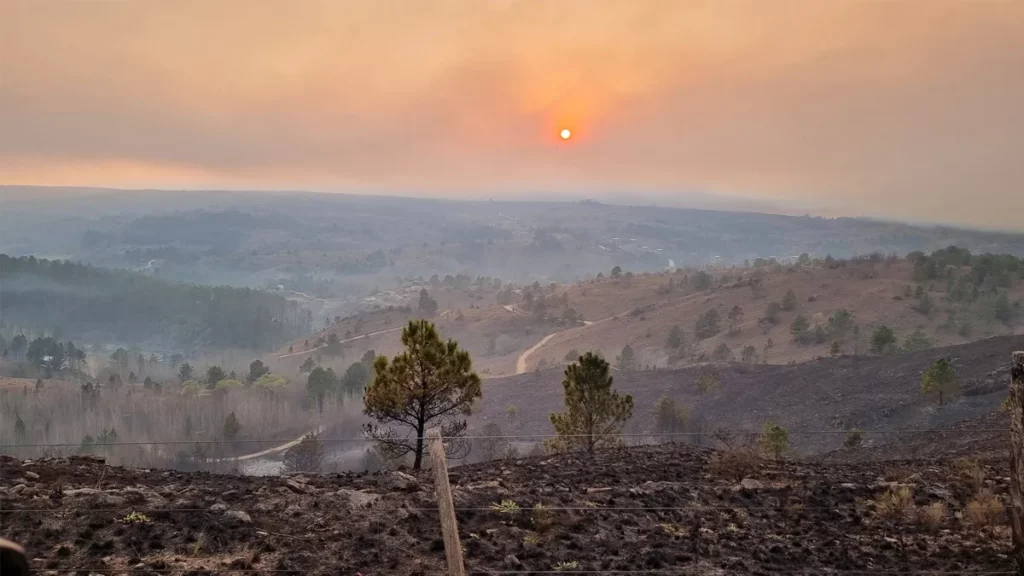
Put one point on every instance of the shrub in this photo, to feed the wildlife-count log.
(853, 439)
(707, 382)
(934, 515)
(506, 506)
(675, 339)
(749, 354)
(306, 456)
(896, 504)
(789, 300)
(917, 340)
(707, 325)
(883, 340)
(541, 517)
(774, 440)
(735, 462)
(722, 353)
(669, 417)
(970, 473)
(800, 329)
(985, 509)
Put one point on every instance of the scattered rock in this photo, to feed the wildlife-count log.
(751, 484)
(239, 515)
(512, 562)
(357, 498)
(296, 487)
(18, 489)
(31, 475)
(219, 507)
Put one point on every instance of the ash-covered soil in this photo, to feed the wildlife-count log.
(658, 508)
(880, 394)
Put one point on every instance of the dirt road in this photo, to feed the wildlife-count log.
(521, 360)
(269, 451)
(311, 350)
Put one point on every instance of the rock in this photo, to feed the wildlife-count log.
(239, 515)
(17, 490)
(599, 490)
(31, 475)
(356, 498)
(404, 482)
(404, 476)
(751, 484)
(295, 487)
(100, 496)
(512, 562)
(219, 507)
(709, 535)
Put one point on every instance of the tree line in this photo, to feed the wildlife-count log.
(100, 304)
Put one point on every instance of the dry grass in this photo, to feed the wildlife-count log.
(934, 515)
(865, 289)
(735, 462)
(970, 473)
(896, 504)
(542, 518)
(985, 509)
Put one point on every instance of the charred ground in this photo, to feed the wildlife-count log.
(667, 508)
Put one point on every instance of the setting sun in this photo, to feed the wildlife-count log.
(565, 134)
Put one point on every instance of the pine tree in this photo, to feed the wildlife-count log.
(231, 427)
(789, 300)
(675, 339)
(431, 383)
(594, 413)
(627, 361)
(940, 380)
(320, 384)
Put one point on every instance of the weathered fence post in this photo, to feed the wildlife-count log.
(1017, 458)
(445, 504)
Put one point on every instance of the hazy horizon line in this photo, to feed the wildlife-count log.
(692, 200)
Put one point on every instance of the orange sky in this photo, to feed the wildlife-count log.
(907, 109)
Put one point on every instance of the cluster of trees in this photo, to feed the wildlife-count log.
(543, 302)
(45, 353)
(123, 306)
(969, 278)
(427, 305)
(323, 383)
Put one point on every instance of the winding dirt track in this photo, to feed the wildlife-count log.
(521, 360)
(354, 338)
(269, 451)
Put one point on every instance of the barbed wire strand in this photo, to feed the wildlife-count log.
(786, 508)
(499, 437)
(682, 570)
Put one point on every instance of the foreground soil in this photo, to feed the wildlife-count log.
(667, 508)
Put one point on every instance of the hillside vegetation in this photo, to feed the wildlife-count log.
(100, 305)
(766, 312)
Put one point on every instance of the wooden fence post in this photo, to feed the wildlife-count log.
(445, 504)
(1017, 458)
